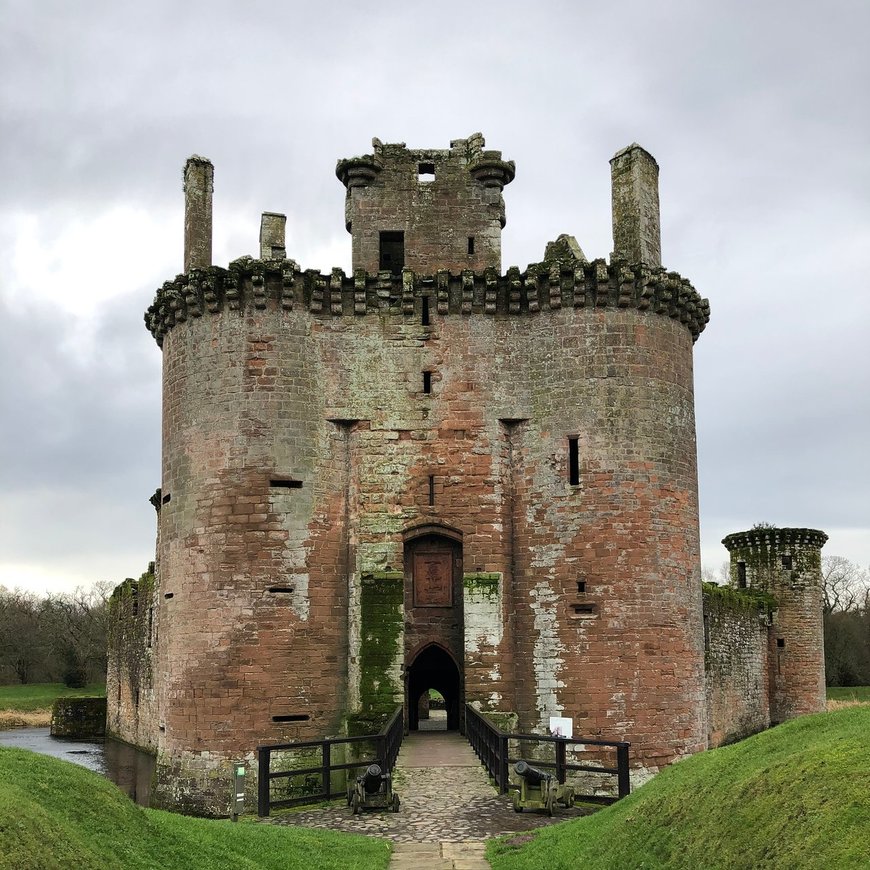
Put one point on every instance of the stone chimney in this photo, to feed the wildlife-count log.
(637, 235)
(198, 190)
(272, 244)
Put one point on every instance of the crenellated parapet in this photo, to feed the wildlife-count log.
(769, 538)
(548, 286)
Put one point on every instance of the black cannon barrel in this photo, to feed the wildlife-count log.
(371, 779)
(531, 775)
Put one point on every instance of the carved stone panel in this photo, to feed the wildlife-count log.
(433, 578)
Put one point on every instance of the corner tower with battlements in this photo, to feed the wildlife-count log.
(430, 473)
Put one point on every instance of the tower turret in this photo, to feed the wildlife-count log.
(786, 564)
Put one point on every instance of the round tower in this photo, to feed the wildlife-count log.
(786, 564)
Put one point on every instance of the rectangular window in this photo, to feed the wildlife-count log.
(392, 251)
(285, 484)
(427, 382)
(787, 562)
(780, 642)
(470, 245)
(425, 317)
(741, 575)
(425, 172)
(573, 462)
(581, 586)
(292, 717)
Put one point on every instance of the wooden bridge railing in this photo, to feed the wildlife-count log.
(493, 748)
(387, 742)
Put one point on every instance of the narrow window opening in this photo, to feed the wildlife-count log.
(581, 585)
(573, 462)
(150, 625)
(741, 575)
(286, 484)
(279, 590)
(431, 489)
(427, 382)
(162, 728)
(787, 562)
(136, 698)
(471, 245)
(425, 318)
(425, 172)
(392, 251)
(292, 717)
(134, 602)
(706, 633)
(166, 498)
(780, 642)
(584, 609)
(168, 595)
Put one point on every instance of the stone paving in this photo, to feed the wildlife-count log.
(448, 808)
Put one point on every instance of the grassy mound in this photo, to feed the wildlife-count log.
(796, 796)
(56, 815)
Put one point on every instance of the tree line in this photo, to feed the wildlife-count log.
(62, 638)
(54, 638)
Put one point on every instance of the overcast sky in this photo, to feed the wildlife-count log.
(757, 113)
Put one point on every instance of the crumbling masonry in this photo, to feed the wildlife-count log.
(433, 474)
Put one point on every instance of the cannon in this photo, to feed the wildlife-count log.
(539, 790)
(372, 790)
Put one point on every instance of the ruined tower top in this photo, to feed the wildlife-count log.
(426, 209)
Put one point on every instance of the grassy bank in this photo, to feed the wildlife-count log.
(860, 694)
(56, 815)
(794, 796)
(30, 705)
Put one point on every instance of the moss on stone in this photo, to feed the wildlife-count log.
(381, 599)
(481, 582)
(739, 599)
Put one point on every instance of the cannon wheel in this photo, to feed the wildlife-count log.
(395, 803)
(354, 803)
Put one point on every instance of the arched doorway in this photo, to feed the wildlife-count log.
(434, 668)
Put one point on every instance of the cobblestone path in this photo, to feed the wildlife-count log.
(448, 809)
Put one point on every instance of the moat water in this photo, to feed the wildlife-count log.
(130, 769)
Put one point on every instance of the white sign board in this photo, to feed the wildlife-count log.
(561, 726)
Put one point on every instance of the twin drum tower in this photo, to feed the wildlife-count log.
(425, 474)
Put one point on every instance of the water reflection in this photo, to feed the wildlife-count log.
(130, 769)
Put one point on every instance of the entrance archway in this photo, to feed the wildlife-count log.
(434, 668)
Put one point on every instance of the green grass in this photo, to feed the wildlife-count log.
(849, 693)
(795, 796)
(40, 696)
(56, 815)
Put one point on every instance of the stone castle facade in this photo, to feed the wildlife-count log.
(431, 473)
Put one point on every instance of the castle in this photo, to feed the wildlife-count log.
(434, 474)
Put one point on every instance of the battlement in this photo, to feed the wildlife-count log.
(544, 287)
(774, 538)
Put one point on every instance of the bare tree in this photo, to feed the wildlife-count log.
(845, 585)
